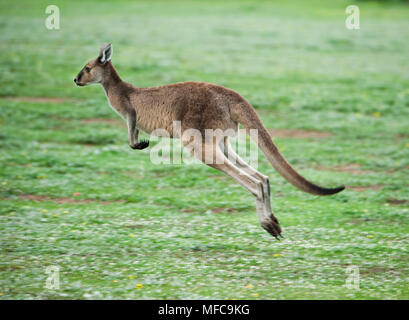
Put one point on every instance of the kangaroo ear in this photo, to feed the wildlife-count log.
(105, 54)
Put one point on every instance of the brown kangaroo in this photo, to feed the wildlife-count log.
(200, 106)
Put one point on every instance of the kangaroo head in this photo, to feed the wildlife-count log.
(93, 71)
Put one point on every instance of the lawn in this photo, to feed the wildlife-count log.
(74, 195)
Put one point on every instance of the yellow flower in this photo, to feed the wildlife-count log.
(44, 211)
(139, 286)
(131, 277)
(132, 235)
(255, 295)
(276, 255)
(249, 286)
(115, 281)
(73, 230)
(65, 211)
(370, 237)
(377, 114)
(1, 293)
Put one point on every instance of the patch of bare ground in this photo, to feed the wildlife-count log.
(300, 134)
(365, 188)
(116, 122)
(40, 99)
(375, 270)
(218, 177)
(360, 221)
(189, 210)
(223, 209)
(132, 173)
(214, 210)
(397, 201)
(134, 226)
(353, 168)
(370, 270)
(161, 174)
(294, 133)
(38, 198)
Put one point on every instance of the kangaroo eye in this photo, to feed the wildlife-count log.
(87, 69)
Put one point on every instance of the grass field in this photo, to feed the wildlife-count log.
(74, 195)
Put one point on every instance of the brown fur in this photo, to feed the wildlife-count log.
(201, 106)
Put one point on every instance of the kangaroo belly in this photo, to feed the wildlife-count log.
(156, 125)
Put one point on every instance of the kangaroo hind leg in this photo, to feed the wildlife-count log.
(212, 155)
(239, 162)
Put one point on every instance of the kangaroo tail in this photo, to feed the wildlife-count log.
(248, 117)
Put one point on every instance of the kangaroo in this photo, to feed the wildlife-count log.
(200, 106)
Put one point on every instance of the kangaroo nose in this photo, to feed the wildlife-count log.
(75, 80)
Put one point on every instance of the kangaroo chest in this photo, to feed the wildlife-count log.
(117, 104)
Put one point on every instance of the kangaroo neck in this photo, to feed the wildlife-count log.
(115, 91)
(111, 78)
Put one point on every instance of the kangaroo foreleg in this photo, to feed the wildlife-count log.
(133, 134)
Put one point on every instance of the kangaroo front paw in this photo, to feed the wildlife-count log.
(271, 225)
(141, 145)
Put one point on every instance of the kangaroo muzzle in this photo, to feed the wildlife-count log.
(77, 80)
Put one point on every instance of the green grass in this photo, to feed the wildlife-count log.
(188, 232)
